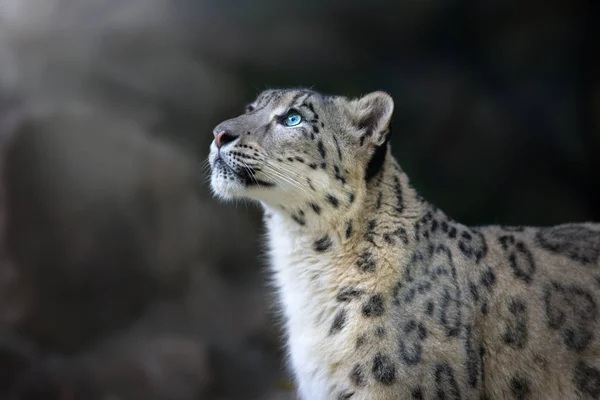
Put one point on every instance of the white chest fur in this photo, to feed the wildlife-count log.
(305, 293)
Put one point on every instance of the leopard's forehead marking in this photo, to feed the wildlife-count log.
(281, 98)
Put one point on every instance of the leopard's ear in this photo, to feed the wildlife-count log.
(371, 115)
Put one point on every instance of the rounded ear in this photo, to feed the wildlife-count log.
(371, 115)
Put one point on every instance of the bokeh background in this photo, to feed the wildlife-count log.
(121, 278)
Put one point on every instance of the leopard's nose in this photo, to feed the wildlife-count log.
(223, 137)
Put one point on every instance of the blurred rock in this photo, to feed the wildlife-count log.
(102, 220)
(153, 368)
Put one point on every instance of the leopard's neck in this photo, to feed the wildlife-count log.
(386, 196)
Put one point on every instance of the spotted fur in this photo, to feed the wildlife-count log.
(386, 297)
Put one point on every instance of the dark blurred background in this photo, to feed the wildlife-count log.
(121, 278)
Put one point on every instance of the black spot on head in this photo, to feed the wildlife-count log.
(312, 109)
(321, 149)
(339, 321)
(312, 165)
(373, 307)
(379, 331)
(348, 229)
(315, 208)
(323, 243)
(357, 376)
(332, 200)
(384, 370)
(587, 380)
(299, 219)
(519, 386)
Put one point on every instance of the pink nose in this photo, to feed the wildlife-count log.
(219, 138)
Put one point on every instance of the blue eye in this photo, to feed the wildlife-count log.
(292, 119)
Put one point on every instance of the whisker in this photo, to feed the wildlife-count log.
(251, 173)
(205, 166)
(288, 172)
(286, 167)
(284, 174)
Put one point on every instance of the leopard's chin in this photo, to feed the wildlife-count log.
(224, 182)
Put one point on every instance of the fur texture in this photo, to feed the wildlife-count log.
(384, 295)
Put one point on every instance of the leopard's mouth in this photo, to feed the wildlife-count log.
(246, 175)
(220, 163)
